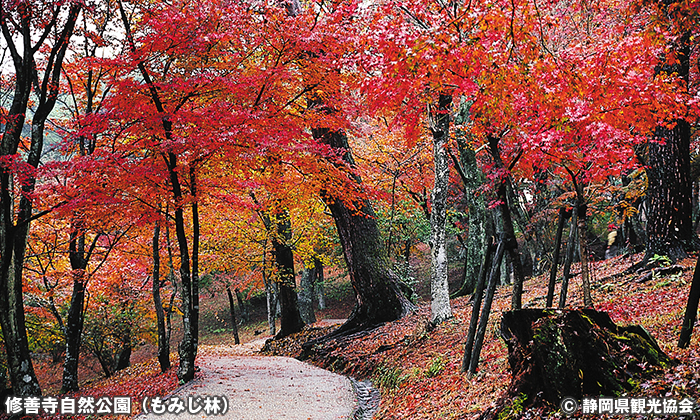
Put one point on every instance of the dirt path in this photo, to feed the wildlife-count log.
(257, 388)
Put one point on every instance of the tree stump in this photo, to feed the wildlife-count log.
(573, 353)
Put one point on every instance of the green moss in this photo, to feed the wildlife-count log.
(513, 410)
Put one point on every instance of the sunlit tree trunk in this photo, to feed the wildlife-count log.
(439, 290)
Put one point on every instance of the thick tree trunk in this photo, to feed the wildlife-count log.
(290, 319)
(234, 323)
(691, 309)
(163, 342)
(124, 356)
(439, 289)
(378, 293)
(73, 333)
(669, 192)
(476, 242)
(558, 354)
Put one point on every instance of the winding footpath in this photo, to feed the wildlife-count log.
(257, 388)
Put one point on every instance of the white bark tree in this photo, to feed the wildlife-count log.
(440, 294)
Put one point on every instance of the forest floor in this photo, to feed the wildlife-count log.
(418, 369)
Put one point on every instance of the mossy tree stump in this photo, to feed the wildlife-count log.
(574, 353)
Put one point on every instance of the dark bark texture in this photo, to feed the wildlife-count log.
(555, 354)
(234, 322)
(17, 24)
(691, 309)
(163, 339)
(290, 319)
(378, 293)
(669, 192)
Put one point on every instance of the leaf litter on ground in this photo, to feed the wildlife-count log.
(417, 368)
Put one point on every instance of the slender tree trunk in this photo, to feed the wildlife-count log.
(439, 288)
(306, 295)
(243, 306)
(195, 257)
(555, 259)
(570, 253)
(691, 309)
(583, 249)
(476, 305)
(318, 284)
(234, 323)
(486, 311)
(190, 292)
(163, 342)
(511, 243)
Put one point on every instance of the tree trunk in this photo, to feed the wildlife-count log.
(73, 333)
(242, 306)
(318, 284)
(163, 342)
(476, 241)
(669, 192)
(476, 305)
(306, 295)
(573, 353)
(124, 357)
(269, 297)
(378, 293)
(234, 324)
(439, 288)
(508, 228)
(555, 259)
(106, 363)
(691, 309)
(187, 348)
(585, 273)
(570, 253)
(486, 311)
(13, 235)
(290, 319)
